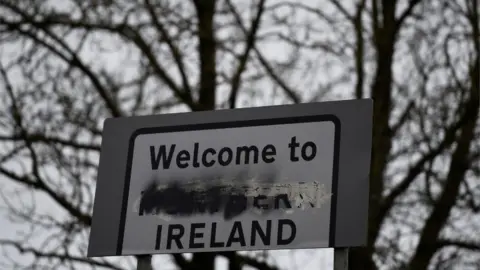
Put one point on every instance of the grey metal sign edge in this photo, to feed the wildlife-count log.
(354, 173)
(117, 132)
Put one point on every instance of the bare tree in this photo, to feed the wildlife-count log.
(67, 65)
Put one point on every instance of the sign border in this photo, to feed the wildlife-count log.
(236, 124)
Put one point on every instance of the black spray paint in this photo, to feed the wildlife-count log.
(179, 200)
(183, 198)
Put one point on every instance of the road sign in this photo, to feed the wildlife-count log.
(277, 177)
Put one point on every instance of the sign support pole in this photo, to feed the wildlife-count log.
(340, 259)
(144, 262)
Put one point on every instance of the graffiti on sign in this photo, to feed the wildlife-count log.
(181, 198)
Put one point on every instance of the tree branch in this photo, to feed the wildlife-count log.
(456, 174)
(250, 43)
(408, 11)
(121, 29)
(359, 49)
(173, 49)
(290, 92)
(38, 137)
(470, 245)
(207, 49)
(53, 255)
(403, 117)
(73, 60)
(415, 170)
(40, 185)
(342, 10)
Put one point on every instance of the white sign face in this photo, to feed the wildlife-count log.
(248, 185)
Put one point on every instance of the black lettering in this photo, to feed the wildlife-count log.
(229, 152)
(196, 164)
(225, 156)
(268, 153)
(293, 228)
(183, 156)
(194, 235)
(159, 237)
(257, 229)
(176, 237)
(313, 152)
(161, 155)
(214, 244)
(204, 157)
(237, 226)
(292, 145)
(256, 202)
(247, 150)
(285, 200)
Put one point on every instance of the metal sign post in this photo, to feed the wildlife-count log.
(144, 262)
(340, 259)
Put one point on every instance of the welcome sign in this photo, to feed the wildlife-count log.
(243, 179)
